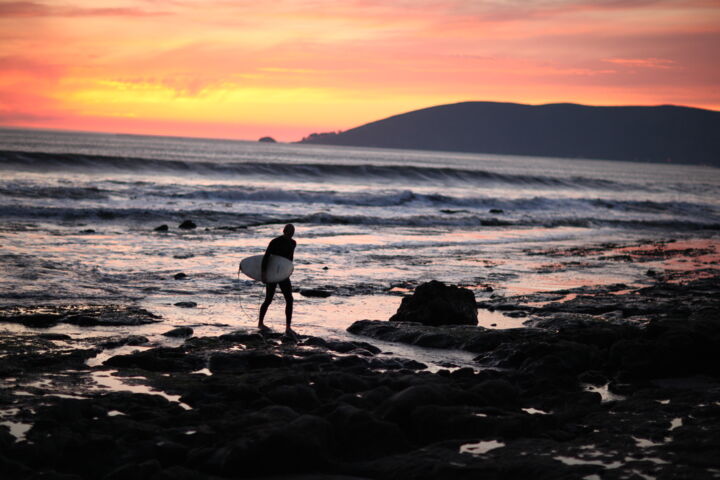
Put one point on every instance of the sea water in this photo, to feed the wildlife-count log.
(78, 213)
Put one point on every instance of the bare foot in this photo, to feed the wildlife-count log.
(290, 334)
(264, 328)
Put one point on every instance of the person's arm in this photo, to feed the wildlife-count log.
(264, 264)
(292, 250)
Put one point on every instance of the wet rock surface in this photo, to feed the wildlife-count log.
(83, 315)
(434, 303)
(580, 395)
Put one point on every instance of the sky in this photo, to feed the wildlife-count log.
(288, 68)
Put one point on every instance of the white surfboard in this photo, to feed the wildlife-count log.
(278, 268)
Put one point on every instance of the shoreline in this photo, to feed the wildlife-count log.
(604, 383)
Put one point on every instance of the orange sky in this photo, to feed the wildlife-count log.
(242, 69)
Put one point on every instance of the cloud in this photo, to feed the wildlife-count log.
(642, 62)
(14, 117)
(36, 9)
(24, 65)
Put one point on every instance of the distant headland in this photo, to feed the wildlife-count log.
(680, 135)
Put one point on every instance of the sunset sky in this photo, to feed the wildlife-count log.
(287, 68)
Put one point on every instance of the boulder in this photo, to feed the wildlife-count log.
(434, 303)
(245, 360)
(360, 434)
(179, 332)
(132, 340)
(314, 293)
(186, 304)
(187, 225)
(158, 360)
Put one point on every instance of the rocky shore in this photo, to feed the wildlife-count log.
(611, 383)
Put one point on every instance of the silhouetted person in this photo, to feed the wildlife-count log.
(282, 246)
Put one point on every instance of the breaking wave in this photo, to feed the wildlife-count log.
(44, 162)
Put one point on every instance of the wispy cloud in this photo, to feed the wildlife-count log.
(661, 63)
(37, 9)
(336, 64)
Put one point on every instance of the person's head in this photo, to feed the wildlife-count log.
(289, 230)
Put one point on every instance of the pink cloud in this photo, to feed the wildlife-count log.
(36, 9)
(642, 62)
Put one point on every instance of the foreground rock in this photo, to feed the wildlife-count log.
(83, 315)
(583, 397)
(435, 303)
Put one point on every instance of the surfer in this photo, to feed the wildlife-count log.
(283, 246)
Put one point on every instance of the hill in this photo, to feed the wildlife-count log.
(651, 134)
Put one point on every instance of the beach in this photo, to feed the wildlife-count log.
(130, 350)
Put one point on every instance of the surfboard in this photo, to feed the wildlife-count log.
(278, 269)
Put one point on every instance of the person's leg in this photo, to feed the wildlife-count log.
(286, 289)
(269, 293)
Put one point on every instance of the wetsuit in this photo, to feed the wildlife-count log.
(281, 246)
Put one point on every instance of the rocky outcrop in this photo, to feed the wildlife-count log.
(46, 316)
(435, 303)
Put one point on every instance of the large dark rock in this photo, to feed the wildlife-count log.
(187, 225)
(158, 360)
(245, 360)
(132, 340)
(361, 434)
(179, 332)
(434, 303)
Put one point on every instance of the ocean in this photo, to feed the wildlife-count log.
(79, 212)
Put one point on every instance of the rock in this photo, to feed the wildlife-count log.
(342, 347)
(187, 225)
(186, 304)
(435, 303)
(496, 210)
(159, 360)
(396, 364)
(36, 320)
(435, 340)
(245, 360)
(244, 337)
(267, 140)
(593, 377)
(180, 276)
(179, 332)
(111, 315)
(498, 393)
(297, 397)
(404, 402)
(361, 434)
(314, 292)
(55, 336)
(135, 471)
(162, 228)
(132, 340)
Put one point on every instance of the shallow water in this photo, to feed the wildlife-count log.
(371, 225)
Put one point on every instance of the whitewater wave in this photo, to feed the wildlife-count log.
(228, 220)
(234, 196)
(390, 198)
(44, 162)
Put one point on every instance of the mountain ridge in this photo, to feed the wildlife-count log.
(662, 133)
